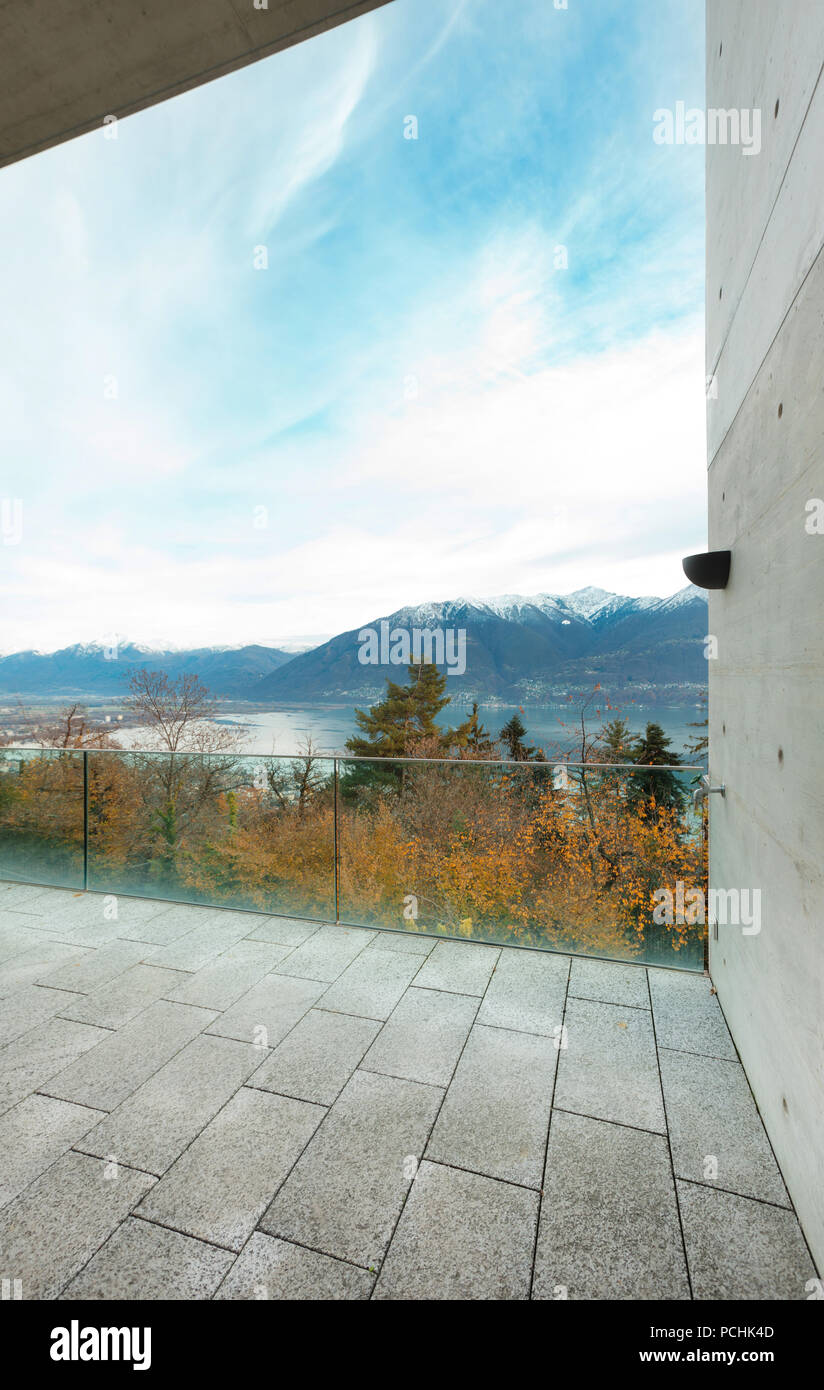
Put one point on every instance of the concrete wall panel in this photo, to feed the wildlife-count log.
(765, 232)
(754, 59)
(787, 248)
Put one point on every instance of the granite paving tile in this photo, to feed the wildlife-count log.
(169, 924)
(423, 1038)
(715, 1129)
(609, 1069)
(326, 954)
(221, 983)
(316, 1059)
(609, 983)
(284, 931)
(269, 1010)
(273, 1269)
(153, 1126)
(34, 963)
(609, 1218)
(96, 914)
(39, 900)
(141, 1260)
(687, 1015)
(27, 1007)
(527, 992)
(405, 943)
(345, 1193)
(97, 967)
(33, 1134)
(117, 1003)
(372, 985)
(19, 934)
(463, 967)
(221, 1185)
(36, 1059)
(101, 931)
(125, 1059)
(57, 1223)
(461, 1236)
(214, 935)
(495, 1116)
(22, 896)
(738, 1248)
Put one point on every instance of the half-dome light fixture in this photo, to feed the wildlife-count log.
(709, 570)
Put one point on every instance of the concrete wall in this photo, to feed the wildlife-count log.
(765, 349)
(65, 64)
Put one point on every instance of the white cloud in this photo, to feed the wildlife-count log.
(589, 474)
(304, 149)
(629, 421)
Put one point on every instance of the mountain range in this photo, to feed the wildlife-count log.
(89, 668)
(522, 649)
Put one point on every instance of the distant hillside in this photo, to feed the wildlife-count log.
(524, 649)
(85, 670)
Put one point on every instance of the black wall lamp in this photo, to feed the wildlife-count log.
(710, 570)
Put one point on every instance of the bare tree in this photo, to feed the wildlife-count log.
(182, 788)
(181, 713)
(296, 783)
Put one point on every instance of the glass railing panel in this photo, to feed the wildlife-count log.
(226, 830)
(595, 860)
(41, 816)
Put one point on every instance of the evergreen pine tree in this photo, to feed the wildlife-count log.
(663, 788)
(617, 743)
(512, 737)
(406, 714)
(472, 735)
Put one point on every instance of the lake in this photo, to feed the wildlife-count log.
(285, 729)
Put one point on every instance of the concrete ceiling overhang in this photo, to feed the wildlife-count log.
(67, 64)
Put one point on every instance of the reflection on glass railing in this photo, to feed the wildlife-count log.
(41, 816)
(597, 859)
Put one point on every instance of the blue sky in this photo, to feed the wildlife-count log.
(473, 365)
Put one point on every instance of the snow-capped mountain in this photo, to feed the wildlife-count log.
(524, 648)
(590, 604)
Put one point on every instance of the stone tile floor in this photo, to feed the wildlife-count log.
(198, 1103)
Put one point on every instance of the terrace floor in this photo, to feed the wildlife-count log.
(198, 1103)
